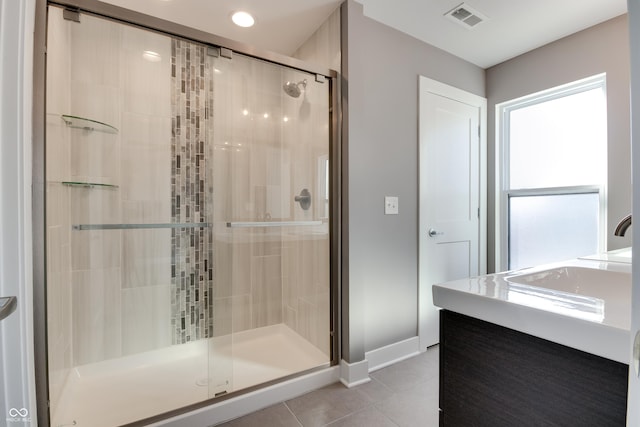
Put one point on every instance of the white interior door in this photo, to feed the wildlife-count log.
(451, 194)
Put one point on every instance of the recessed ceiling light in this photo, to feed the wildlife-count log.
(242, 19)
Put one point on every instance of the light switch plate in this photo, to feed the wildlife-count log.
(390, 205)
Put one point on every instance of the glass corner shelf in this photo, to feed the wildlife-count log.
(87, 124)
(88, 184)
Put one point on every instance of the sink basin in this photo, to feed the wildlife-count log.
(570, 290)
(575, 280)
(624, 255)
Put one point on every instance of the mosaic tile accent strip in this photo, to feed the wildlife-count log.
(191, 192)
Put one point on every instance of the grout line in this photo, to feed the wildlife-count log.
(383, 385)
(292, 413)
(372, 406)
(374, 403)
(348, 415)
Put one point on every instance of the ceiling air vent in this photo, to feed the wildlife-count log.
(465, 16)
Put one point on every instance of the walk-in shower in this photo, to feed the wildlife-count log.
(187, 221)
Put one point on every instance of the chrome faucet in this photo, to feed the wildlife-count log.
(622, 226)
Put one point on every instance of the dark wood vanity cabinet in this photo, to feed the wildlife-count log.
(494, 376)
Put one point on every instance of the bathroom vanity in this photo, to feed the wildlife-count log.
(541, 346)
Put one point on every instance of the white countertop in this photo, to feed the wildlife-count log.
(596, 320)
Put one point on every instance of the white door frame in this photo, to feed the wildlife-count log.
(427, 85)
(17, 384)
(633, 412)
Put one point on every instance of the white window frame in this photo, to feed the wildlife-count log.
(503, 191)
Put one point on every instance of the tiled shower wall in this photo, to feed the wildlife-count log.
(145, 190)
(191, 192)
(306, 277)
(266, 276)
(110, 291)
(58, 216)
(323, 47)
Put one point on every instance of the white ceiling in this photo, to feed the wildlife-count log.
(513, 27)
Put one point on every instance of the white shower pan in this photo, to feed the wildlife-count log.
(128, 389)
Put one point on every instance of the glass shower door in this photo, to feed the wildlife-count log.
(187, 222)
(129, 223)
(271, 150)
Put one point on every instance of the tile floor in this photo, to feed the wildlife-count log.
(403, 394)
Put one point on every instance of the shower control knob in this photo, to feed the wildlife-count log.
(304, 199)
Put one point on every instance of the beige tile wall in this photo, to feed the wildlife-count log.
(58, 218)
(109, 290)
(323, 47)
(271, 275)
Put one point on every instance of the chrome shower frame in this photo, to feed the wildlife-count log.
(140, 20)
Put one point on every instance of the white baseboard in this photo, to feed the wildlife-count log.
(353, 374)
(253, 401)
(392, 353)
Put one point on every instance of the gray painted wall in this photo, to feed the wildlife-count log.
(602, 48)
(381, 68)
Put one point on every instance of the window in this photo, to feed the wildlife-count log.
(552, 175)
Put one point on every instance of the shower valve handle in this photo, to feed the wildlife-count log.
(304, 199)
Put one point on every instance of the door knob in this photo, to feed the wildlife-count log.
(434, 233)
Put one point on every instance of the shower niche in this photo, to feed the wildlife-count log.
(187, 222)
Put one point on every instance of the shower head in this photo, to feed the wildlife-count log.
(293, 89)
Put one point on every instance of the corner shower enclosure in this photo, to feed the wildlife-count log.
(187, 221)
